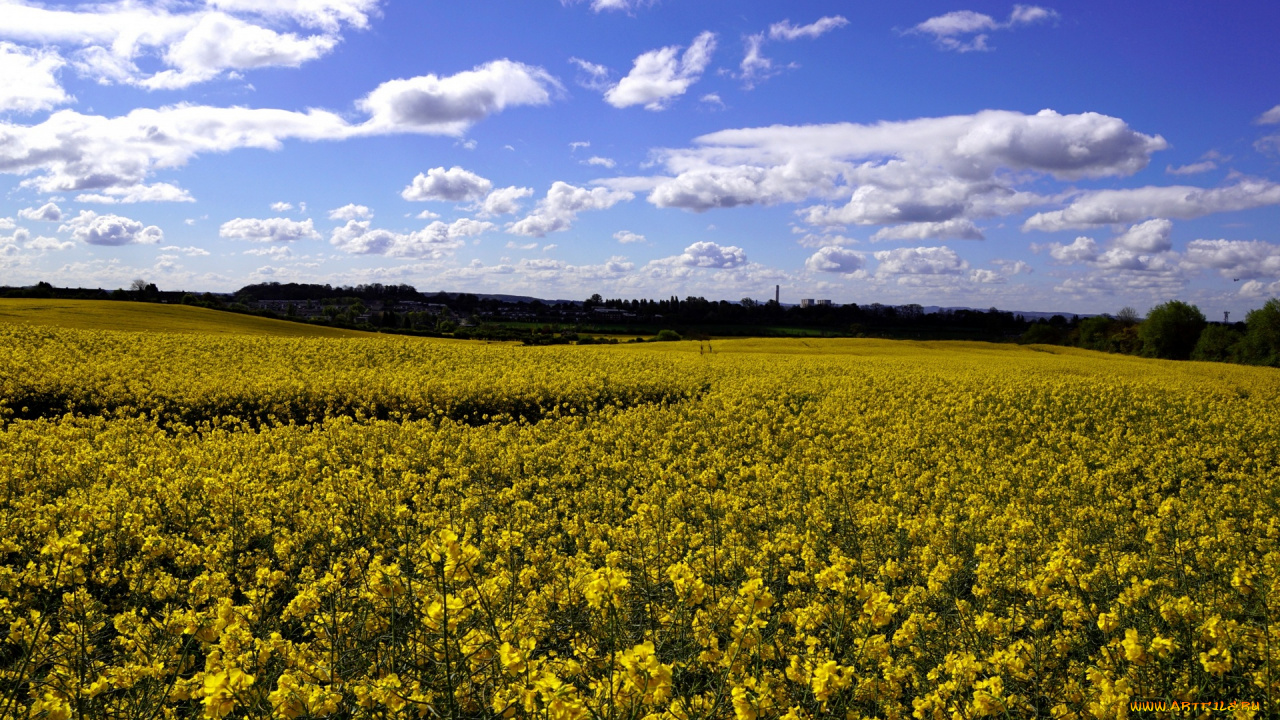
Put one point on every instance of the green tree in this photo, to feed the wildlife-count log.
(1171, 330)
(1262, 340)
(1218, 343)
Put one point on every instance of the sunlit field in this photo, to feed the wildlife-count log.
(252, 527)
(153, 317)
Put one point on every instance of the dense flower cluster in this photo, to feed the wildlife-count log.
(791, 530)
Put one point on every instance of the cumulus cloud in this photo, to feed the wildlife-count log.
(920, 261)
(659, 76)
(1106, 207)
(47, 244)
(28, 79)
(561, 206)
(94, 229)
(600, 161)
(1257, 289)
(1149, 237)
(932, 175)
(47, 212)
(452, 185)
(966, 30)
(433, 241)
(1141, 250)
(268, 230)
(504, 201)
(835, 259)
(709, 255)
(281, 207)
(1082, 249)
(351, 211)
(449, 105)
(193, 44)
(1236, 259)
(626, 236)
(955, 228)
(786, 31)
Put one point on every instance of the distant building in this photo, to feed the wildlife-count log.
(806, 302)
(824, 303)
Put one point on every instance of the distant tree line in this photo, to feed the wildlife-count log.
(1174, 330)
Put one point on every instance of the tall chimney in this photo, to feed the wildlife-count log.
(777, 294)
(1226, 315)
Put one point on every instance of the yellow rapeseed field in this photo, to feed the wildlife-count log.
(251, 527)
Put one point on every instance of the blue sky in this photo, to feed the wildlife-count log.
(1075, 156)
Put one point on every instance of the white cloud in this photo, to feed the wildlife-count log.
(712, 99)
(1192, 168)
(965, 30)
(1106, 207)
(592, 76)
(786, 31)
(1233, 259)
(1151, 236)
(920, 261)
(219, 42)
(561, 206)
(268, 230)
(623, 5)
(711, 255)
(281, 207)
(955, 228)
(426, 215)
(512, 245)
(930, 170)
(448, 106)
(45, 244)
(351, 211)
(193, 44)
(327, 15)
(626, 236)
(1270, 117)
(600, 161)
(28, 81)
(155, 192)
(433, 241)
(47, 212)
(275, 252)
(7, 223)
(189, 251)
(575, 146)
(504, 201)
(833, 259)
(94, 229)
(823, 239)
(453, 185)
(755, 67)
(89, 152)
(1256, 289)
(983, 276)
(659, 76)
(1082, 249)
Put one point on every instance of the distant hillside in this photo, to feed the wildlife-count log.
(114, 315)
